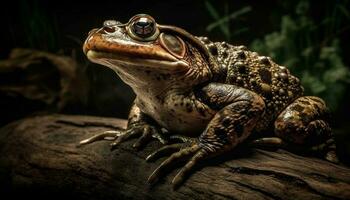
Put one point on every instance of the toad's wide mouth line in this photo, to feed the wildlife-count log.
(106, 58)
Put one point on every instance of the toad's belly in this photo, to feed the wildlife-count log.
(177, 120)
(182, 125)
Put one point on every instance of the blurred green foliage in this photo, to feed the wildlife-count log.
(223, 23)
(310, 48)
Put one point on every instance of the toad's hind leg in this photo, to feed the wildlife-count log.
(238, 112)
(304, 123)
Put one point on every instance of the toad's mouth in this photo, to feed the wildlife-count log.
(114, 60)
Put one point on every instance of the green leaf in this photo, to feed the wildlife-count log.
(223, 27)
(231, 16)
(212, 11)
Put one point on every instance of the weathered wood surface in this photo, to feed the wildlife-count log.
(39, 157)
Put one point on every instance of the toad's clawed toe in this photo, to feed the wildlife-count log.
(190, 150)
(107, 135)
(145, 133)
(127, 134)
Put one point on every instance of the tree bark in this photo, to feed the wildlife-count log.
(39, 158)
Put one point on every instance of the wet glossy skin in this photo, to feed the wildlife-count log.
(214, 92)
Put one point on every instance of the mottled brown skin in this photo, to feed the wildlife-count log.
(212, 96)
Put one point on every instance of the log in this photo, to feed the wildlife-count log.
(39, 158)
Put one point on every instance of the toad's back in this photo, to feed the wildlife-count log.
(274, 83)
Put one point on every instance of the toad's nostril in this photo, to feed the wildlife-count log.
(108, 29)
(109, 25)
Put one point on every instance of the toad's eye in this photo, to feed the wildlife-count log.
(143, 27)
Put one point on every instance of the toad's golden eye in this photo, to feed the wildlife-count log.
(143, 27)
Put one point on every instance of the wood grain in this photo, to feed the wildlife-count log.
(39, 158)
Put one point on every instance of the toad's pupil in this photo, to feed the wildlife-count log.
(143, 27)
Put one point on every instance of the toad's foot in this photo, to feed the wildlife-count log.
(191, 149)
(145, 133)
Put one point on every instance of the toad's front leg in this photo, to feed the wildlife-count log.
(238, 113)
(139, 125)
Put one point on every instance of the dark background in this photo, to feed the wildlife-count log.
(60, 27)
